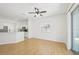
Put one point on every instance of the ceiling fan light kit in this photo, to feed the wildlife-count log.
(37, 12)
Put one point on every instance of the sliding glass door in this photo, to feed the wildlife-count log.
(75, 29)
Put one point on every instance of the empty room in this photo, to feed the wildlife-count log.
(39, 28)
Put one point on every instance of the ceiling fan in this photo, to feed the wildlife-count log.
(37, 12)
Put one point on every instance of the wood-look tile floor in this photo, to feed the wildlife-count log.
(34, 47)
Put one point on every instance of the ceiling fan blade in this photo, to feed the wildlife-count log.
(43, 11)
(31, 12)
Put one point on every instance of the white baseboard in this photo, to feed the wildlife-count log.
(48, 39)
(12, 42)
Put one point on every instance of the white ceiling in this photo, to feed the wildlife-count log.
(20, 11)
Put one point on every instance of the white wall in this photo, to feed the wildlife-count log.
(56, 32)
(7, 22)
